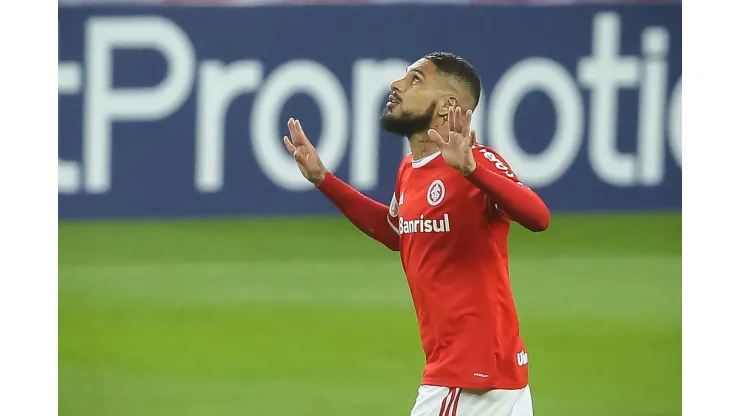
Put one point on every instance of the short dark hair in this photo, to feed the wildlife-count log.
(458, 68)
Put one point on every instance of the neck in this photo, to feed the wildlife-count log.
(420, 144)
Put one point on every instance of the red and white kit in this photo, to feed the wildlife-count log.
(451, 231)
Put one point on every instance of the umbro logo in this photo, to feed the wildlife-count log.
(522, 358)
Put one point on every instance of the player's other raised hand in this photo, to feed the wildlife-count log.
(304, 153)
(457, 148)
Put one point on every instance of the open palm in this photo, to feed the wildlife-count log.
(304, 153)
(457, 149)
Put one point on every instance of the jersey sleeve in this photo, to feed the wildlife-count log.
(506, 195)
(492, 161)
(367, 215)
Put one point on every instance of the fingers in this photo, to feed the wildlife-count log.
(451, 116)
(473, 137)
(299, 153)
(436, 138)
(292, 130)
(459, 122)
(465, 128)
(296, 133)
(301, 133)
(289, 145)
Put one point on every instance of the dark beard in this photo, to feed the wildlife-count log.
(407, 124)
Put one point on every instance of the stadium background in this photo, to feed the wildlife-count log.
(199, 276)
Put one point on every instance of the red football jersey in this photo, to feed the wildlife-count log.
(453, 246)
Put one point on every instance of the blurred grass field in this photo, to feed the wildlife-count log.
(310, 317)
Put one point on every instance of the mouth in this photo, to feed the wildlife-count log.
(393, 101)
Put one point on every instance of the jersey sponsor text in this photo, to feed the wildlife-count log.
(423, 225)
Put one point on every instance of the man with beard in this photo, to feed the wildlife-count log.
(449, 218)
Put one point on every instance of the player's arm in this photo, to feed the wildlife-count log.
(369, 216)
(518, 202)
(507, 194)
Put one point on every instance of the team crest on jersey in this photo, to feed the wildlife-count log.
(435, 193)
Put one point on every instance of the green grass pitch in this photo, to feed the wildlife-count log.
(310, 317)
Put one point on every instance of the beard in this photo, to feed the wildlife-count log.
(407, 124)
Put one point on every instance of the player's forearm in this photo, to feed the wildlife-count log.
(366, 214)
(518, 202)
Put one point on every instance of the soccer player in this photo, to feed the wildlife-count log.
(449, 218)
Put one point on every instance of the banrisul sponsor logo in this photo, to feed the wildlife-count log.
(424, 225)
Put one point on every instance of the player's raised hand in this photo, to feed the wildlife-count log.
(457, 149)
(304, 153)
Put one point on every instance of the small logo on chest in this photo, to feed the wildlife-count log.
(436, 193)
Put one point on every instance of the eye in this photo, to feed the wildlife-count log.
(415, 79)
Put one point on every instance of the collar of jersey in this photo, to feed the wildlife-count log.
(424, 160)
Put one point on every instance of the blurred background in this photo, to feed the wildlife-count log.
(199, 274)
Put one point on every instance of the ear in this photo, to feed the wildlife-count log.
(445, 104)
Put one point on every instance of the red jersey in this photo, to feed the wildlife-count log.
(453, 246)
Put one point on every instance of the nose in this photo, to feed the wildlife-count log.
(396, 86)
